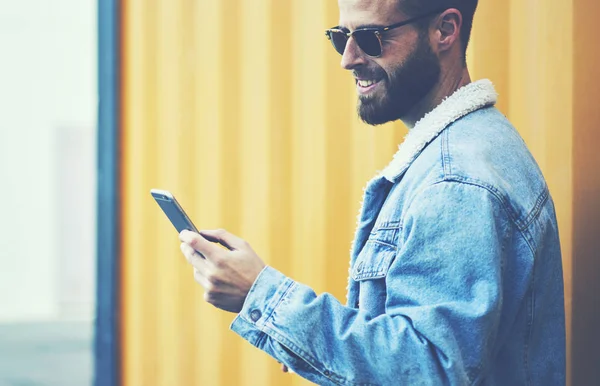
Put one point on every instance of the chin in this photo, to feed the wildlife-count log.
(373, 113)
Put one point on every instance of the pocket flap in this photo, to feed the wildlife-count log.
(374, 261)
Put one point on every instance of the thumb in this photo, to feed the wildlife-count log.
(224, 238)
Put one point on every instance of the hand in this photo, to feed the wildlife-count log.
(227, 274)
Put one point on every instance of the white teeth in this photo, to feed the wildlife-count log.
(366, 83)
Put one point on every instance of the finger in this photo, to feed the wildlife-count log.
(199, 243)
(193, 257)
(187, 251)
(221, 236)
(201, 278)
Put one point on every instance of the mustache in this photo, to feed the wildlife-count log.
(369, 74)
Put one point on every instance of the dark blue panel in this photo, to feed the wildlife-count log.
(106, 342)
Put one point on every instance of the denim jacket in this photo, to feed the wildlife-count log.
(455, 272)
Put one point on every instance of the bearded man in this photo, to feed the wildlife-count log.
(456, 275)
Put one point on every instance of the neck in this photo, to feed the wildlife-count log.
(449, 82)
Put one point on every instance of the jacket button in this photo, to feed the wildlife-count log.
(327, 373)
(255, 315)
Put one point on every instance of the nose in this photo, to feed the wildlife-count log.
(353, 56)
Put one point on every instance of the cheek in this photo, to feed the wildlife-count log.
(392, 67)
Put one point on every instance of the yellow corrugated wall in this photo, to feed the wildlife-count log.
(240, 108)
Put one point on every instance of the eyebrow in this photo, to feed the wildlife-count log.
(370, 26)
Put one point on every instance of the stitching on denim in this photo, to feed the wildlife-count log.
(387, 228)
(471, 182)
(379, 270)
(291, 284)
(537, 208)
(522, 223)
(527, 237)
(261, 334)
(482, 368)
(378, 274)
(274, 300)
(491, 189)
(369, 276)
(382, 243)
(260, 341)
(389, 224)
(523, 230)
(269, 313)
(530, 325)
(313, 362)
(446, 161)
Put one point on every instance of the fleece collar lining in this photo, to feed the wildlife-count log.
(465, 100)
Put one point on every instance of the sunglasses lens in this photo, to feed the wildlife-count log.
(368, 42)
(339, 40)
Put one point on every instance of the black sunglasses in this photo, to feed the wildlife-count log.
(368, 38)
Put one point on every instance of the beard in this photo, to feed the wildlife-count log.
(406, 86)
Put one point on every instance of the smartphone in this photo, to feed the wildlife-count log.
(173, 210)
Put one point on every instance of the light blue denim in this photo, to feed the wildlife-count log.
(456, 276)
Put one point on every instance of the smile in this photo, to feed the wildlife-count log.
(365, 86)
(366, 83)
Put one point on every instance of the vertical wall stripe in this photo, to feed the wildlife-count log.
(586, 197)
(107, 352)
(214, 344)
(255, 195)
(140, 348)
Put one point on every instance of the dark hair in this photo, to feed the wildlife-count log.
(466, 7)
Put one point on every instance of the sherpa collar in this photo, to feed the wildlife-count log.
(465, 100)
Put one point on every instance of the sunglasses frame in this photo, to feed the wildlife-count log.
(378, 31)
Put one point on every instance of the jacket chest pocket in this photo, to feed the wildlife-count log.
(372, 266)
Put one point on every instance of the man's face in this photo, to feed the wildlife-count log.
(391, 85)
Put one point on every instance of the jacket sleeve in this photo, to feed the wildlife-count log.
(442, 306)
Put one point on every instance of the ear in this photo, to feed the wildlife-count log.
(448, 28)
